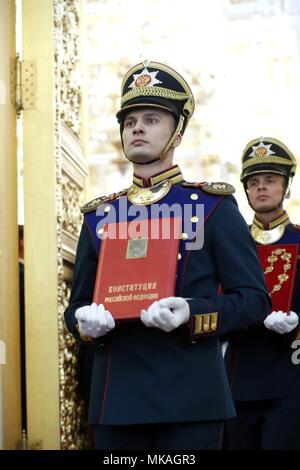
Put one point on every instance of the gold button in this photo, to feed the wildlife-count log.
(184, 236)
(179, 256)
(194, 196)
(107, 209)
(100, 231)
(194, 219)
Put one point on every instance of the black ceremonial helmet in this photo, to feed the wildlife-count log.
(267, 155)
(157, 85)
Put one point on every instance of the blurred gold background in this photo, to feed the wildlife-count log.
(241, 58)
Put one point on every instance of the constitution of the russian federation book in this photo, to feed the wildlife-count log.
(137, 265)
(279, 263)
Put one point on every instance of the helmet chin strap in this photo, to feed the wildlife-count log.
(173, 137)
(166, 149)
(288, 188)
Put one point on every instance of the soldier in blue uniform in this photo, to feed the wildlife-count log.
(160, 382)
(265, 380)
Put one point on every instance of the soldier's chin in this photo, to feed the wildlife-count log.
(265, 209)
(138, 159)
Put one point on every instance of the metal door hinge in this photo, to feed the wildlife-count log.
(23, 84)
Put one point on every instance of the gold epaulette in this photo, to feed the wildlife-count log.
(92, 205)
(220, 188)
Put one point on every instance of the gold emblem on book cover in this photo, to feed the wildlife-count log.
(137, 248)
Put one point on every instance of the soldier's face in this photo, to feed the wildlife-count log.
(146, 133)
(265, 191)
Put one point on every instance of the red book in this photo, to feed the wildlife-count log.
(279, 263)
(137, 265)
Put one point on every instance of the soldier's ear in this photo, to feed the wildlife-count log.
(287, 194)
(177, 140)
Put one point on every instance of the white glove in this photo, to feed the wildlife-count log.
(281, 322)
(166, 314)
(94, 321)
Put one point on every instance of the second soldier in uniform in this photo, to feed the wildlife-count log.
(265, 382)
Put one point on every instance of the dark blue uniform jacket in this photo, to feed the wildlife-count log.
(144, 375)
(259, 361)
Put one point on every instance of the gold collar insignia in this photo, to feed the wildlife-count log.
(274, 232)
(145, 196)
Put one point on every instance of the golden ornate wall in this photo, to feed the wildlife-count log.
(70, 177)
